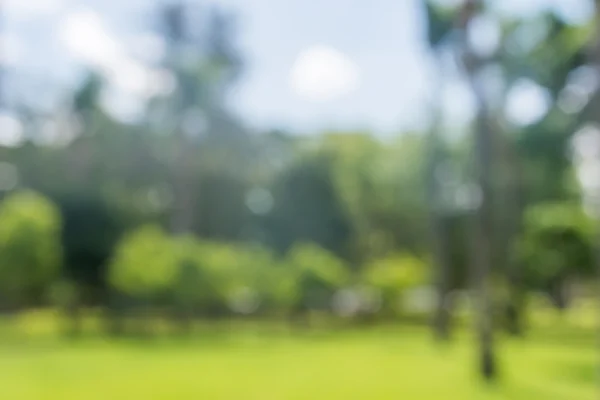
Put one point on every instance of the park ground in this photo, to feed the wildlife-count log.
(557, 360)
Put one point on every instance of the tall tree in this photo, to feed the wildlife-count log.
(532, 162)
(205, 135)
(174, 20)
(482, 222)
(440, 25)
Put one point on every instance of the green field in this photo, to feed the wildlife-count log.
(394, 362)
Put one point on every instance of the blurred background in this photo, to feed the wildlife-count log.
(260, 199)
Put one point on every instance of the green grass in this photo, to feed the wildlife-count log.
(393, 362)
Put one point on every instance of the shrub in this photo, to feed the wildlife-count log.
(319, 275)
(145, 264)
(393, 276)
(30, 248)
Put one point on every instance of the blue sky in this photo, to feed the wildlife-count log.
(311, 65)
(384, 41)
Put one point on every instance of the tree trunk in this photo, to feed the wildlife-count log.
(439, 238)
(515, 307)
(482, 218)
(559, 293)
(442, 317)
(181, 218)
(183, 202)
(513, 216)
(482, 246)
(482, 256)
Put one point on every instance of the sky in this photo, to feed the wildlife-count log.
(311, 65)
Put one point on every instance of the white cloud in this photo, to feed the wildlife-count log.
(12, 49)
(88, 39)
(91, 42)
(27, 9)
(322, 73)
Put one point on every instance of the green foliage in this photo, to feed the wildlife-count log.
(557, 243)
(353, 195)
(396, 273)
(319, 273)
(218, 265)
(193, 285)
(91, 228)
(210, 277)
(543, 147)
(440, 22)
(393, 275)
(400, 209)
(380, 188)
(30, 250)
(145, 263)
(558, 50)
(260, 282)
(307, 207)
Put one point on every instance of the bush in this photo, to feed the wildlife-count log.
(30, 248)
(244, 279)
(557, 243)
(195, 276)
(204, 278)
(318, 273)
(145, 264)
(393, 276)
(215, 278)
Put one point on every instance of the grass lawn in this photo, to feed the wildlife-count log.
(380, 363)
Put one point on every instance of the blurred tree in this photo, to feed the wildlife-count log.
(556, 247)
(319, 273)
(440, 25)
(144, 265)
(65, 295)
(200, 283)
(192, 165)
(260, 284)
(307, 208)
(204, 64)
(30, 251)
(482, 221)
(381, 191)
(392, 276)
(352, 163)
(220, 206)
(534, 159)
